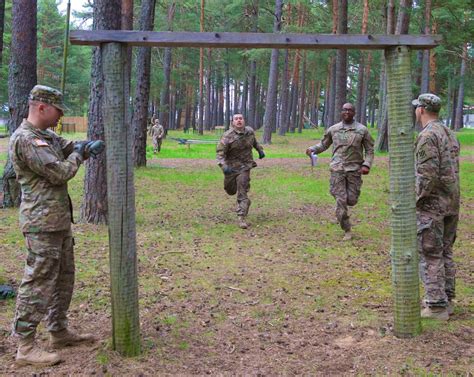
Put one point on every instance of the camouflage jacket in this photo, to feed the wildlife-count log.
(43, 163)
(348, 142)
(437, 170)
(157, 131)
(235, 149)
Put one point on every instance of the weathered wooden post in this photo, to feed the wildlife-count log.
(404, 253)
(121, 200)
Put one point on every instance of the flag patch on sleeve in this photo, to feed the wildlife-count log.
(41, 143)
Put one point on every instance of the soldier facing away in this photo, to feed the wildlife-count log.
(349, 140)
(234, 156)
(43, 163)
(156, 131)
(437, 206)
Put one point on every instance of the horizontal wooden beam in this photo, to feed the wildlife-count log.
(252, 40)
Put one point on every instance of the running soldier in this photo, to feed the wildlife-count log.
(156, 131)
(234, 156)
(349, 139)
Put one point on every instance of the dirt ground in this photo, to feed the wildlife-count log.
(286, 297)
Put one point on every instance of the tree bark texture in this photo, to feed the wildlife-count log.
(107, 16)
(458, 119)
(341, 60)
(21, 79)
(142, 91)
(425, 67)
(404, 254)
(2, 27)
(284, 97)
(271, 103)
(121, 198)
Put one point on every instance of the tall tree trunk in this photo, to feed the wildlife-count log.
(107, 16)
(201, 74)
(271, 103)
(433, 63)
(425, 67)
(449, 97)
(302, 95)
(207, 114)
(284, 97)
(341, 59)
(227, 92)
(245, 91)
(360, 108)
(402, 195)
(252, 99)
(167, 58)
(365, 90)
(2, 28)
(21, 79)
(142, 91)
(458, 120)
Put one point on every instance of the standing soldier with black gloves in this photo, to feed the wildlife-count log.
(43, 163)
(350, 140)
(437, 206)
(234, 156)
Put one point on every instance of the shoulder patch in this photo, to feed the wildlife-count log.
(40, 143)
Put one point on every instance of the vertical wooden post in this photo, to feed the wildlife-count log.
(404, 253)
(121, 202)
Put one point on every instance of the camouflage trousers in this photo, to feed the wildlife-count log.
(157, 144)
(47, 285)
(436, 236)
(239, 183)
(345, 187)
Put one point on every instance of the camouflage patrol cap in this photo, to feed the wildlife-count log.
(429, 101)
(48, 95)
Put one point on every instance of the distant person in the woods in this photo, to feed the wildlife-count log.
(157, 132)
(349, 140)
(437, 206)
(234, 156)
(44, 162)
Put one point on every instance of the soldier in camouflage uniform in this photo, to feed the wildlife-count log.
(349, 139)
(43, 163)
(437, 206)
(234, 156)
(156, 132)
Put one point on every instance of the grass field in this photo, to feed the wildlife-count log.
(287, 296)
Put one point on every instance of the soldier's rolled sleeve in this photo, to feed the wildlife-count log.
(221, 153)
(324, 144)
(368, 143)
(44, 162)
(427, 166)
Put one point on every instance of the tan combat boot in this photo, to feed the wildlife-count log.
(347, 236)
(242, 223)
(434, 312)
(65, 338)
(29, 353)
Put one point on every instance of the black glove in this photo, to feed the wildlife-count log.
(261, 154)
(80, 147)
(94, 148)
(227, 170)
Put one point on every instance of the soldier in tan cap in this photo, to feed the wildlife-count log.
(43, 163)
(437, 206)
(157, 132)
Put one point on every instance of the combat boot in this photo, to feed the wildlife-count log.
(242, 223)
(435, 312)
(65, 338)
(29, 353)
(347, 236)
